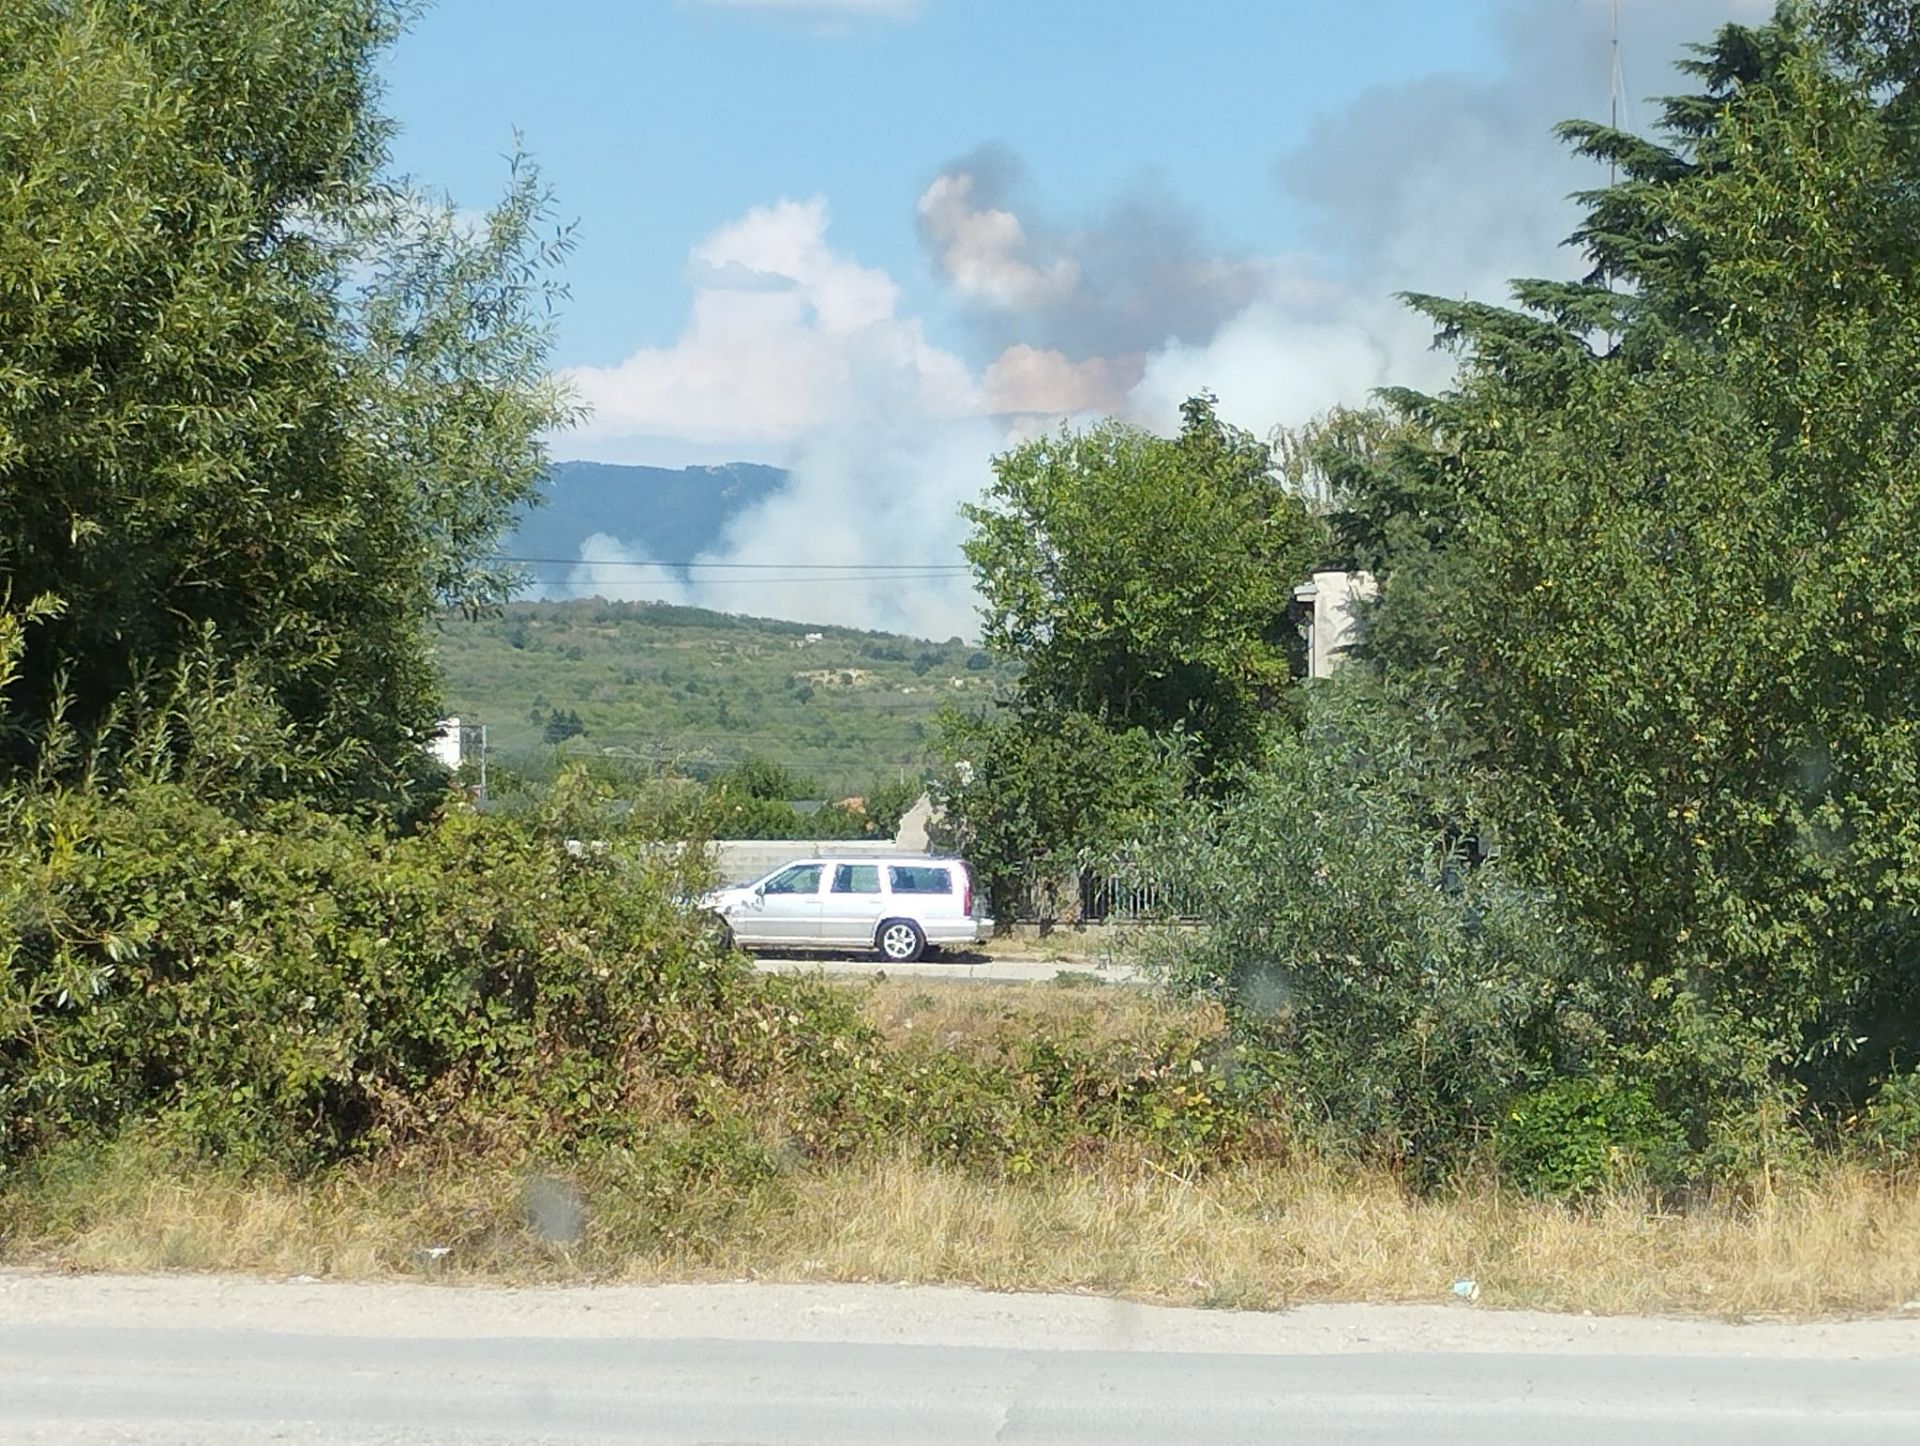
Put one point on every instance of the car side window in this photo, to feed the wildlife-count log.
(919, 879)
(800, 879)
(856, 879)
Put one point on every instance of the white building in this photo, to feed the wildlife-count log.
(444, 748)
(1326, 609)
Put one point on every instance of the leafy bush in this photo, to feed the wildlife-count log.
(1573, 1137)
(295, 988)
(292, 989)
(1411, 990)
(1890, 1128)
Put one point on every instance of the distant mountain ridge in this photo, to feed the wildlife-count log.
(670, 515)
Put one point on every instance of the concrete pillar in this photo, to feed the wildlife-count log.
(1326, 606)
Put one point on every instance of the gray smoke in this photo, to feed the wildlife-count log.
(1454, 184)
(1445, 183)
(1117, 284)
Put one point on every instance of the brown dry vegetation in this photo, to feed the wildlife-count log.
(1251, 1237)
(1088, 943)
(959, 1014)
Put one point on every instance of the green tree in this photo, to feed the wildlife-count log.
(562, 726)
(886, 801)
(1145, 581)
(262, 409)
(1031, 797)
(1412, 990)
(1658, 552)
(763, 778)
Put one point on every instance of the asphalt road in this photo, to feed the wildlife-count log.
(185, 1360)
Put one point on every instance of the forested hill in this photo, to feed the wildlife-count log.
(670, 515)
(699, 690)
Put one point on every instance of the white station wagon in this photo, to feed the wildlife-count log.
(901, 906)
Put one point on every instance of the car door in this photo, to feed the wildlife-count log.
(785, 909)
(852, 905)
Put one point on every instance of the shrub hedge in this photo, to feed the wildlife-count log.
(291, 989)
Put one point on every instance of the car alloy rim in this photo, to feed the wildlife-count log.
(897, 942)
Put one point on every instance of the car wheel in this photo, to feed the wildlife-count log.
(901, 941)
(722, 931)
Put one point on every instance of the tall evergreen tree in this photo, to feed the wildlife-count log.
(1658, 552)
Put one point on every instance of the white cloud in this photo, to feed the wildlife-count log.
(799, 354)
(1278, 363)
(1025, 379)
(795, 352)
(785, 335)
(867, 533)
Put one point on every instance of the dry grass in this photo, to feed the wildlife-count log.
(957, 1013)
(1261, 1237)
(1077, 943)
(1272, 1236)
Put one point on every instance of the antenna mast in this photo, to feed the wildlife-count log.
(1613, 84)
(1616, 84)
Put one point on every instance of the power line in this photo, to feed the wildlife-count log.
(742, 584)
(746, 584)
(878, 568)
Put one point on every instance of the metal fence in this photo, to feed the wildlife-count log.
(1096, 897)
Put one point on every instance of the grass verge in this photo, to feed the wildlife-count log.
(1082, 943)
(961, 1013)
(1257, 1236)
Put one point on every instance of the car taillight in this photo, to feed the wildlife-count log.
(966, 898)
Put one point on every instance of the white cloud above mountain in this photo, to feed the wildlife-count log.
(795, 352)
(784, 335)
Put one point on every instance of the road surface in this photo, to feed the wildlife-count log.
(192, 1359)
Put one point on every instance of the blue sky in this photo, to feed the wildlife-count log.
(876, 241)
(657, 121)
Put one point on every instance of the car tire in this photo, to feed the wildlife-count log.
(722, 932)
(900, 941)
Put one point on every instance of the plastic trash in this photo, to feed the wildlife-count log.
(1466, 1288)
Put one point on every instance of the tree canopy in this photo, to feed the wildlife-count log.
(1658, 554)
(262, 407)
(1144, 581)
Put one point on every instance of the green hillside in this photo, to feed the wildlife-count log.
(697, 691)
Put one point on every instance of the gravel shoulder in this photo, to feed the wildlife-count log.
(897, 1315)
